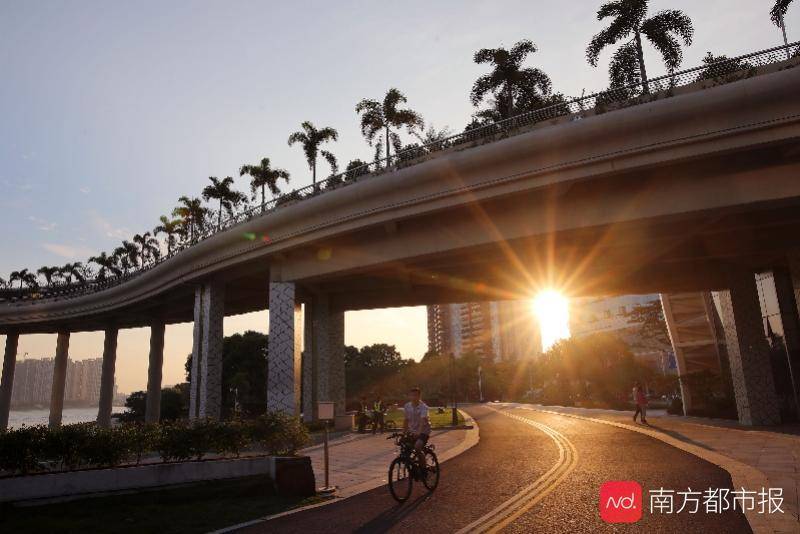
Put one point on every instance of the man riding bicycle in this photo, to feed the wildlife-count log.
(416, 422)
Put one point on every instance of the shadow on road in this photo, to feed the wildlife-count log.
(386, 520)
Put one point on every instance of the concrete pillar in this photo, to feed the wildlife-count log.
(7, 380)
(328, 348)
(309, 372)
(152, 412)
(786, 288)
(59, 379)
(748, 351)
(324, 358)
(285, 334)
(205, 397)
(107, 377)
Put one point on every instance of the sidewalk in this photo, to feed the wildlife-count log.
(773, 454)
(360, 462)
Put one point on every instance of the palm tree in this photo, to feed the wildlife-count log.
(377, 117)
(662, 30)
(170, 227)
(221, 190)
(311, 138)
(49, 273)
(778, 15)
(20, 276)
(148, 246)
(105, 263)
(70, 270)
(127, 255)
(23, 276)
(263, 176)
(192, 215)
(509, 81)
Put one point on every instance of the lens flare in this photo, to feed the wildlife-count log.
(552, 311)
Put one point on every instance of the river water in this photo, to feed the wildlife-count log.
(41, 417)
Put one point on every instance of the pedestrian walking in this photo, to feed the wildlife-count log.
(641, 402)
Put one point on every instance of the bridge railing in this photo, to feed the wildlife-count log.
(713, 73)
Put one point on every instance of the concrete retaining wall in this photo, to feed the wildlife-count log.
(91, 481)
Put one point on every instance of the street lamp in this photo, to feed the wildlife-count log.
(454, 420)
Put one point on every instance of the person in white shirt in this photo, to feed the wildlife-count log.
(416, 422)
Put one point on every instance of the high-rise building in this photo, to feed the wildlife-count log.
(504, 330)
(33, 381)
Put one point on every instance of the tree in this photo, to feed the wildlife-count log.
(192, 215)
(127, 255)
(221, 191)
(263, 176)
(432, 135)
(377, 117)
(718, 66)
(778, 15)
(663, 30)
(311, 138)
(172, 405)
(169, 227)
(355, 169)
(652, 324)
(509, 81)
(148, 246)
(105, 263)
(244, 373)
(3, 283)
(48, 273)
(24, 277)
(73, 270)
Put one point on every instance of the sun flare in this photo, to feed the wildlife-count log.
(552, 310)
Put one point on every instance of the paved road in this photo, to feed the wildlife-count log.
(553, 465)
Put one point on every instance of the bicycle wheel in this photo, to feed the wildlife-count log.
(400, 479)
(431, 476)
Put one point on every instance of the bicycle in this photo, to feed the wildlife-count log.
(405, 469)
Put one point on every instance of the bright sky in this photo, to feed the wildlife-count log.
(112, 110)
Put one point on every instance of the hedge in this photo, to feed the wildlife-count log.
(30, 449)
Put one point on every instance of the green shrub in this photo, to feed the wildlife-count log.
(107, 447)
(230, 438)
(174, 441)
(32, 448)
(65, 445)
(278, 433)
(21, 449)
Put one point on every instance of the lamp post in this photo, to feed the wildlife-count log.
(454, 420)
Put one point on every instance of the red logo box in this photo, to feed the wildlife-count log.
(621, 501)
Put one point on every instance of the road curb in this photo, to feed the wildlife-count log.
(742, 475)
(471, 439)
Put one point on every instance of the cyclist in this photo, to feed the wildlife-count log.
(416, 422)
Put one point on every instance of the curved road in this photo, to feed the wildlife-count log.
(531, 472)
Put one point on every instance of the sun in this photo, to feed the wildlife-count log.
(552, 311)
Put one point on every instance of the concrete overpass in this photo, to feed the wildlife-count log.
(695, 189)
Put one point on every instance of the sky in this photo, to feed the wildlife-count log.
(110, 111)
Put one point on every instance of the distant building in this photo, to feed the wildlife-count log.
(504, 330)
(33, 381)
(613, 315)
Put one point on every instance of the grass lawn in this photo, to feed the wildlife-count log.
(437, 419)
(191, 508)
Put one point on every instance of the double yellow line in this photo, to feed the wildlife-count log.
(525, 499)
